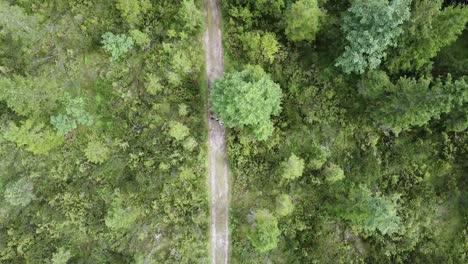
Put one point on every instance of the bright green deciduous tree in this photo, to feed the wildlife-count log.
(190, 16)
(190, 144)
(141, 39)
(178, 130)
(116, 45)
(30, 96)
(284, 205)
(303, 20)
(247, 99)
(19, 193)
(34, 136)
(371, 212)
(429, 30)
(62, 256)
(265, 232)
(97, 152)
(181, 61)
(132, 10)
(333, 173)
(371, 26)
(260, 47)
(293, 167)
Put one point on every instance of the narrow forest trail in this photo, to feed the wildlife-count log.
(218, 165)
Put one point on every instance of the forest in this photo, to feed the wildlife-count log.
(346, 120)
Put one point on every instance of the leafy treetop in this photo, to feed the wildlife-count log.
(247, 99)
(371, 26)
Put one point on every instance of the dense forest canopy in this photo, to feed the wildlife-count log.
(102, 143)
(347, 130)
(367, 161)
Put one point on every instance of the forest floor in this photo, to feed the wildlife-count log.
(218, 164)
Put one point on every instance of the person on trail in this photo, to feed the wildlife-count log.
(215, 118)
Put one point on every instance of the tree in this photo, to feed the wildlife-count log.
(374, 84)
(132, 10)
(30, 96)
(371, 26)
(190, 16)
(267, 7)
(260, 47)
(19, 193)
(318, 156)
(264, 234)
(180, 61)
(17, 24)
(303, 20)
(412, 102)
(74, 115)
(247, 99)
(293, 167)
(20, 33)
(429, 30)
(333, 173)
(371, 212)
(97, 152)
(284, 206)
(178, 130)
(458, 120)
(116, 45)
(141, 39)
(36, 137)
(62, 256)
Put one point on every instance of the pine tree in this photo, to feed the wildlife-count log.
(428, 31)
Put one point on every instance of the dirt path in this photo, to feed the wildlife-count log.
(218, 166)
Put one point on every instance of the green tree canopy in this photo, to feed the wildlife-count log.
(333, 173)
(19, 193)
(62, 256)
(30, 96)
(97, 152)
(132, 10)
(371, 26)
(260, 47)
(34, 136)
(411, 102)
(190, 16)
(429, 29)
(116, 45)
(20, 33)
(317, 157)
(247, 99)
(264, 234)
(303, 20)
(120, 216)
(293, 167)
(284, 205)
(371, 212)
(74, 115)
(178, 130)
